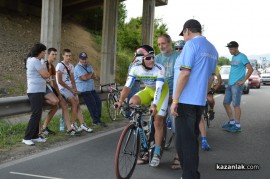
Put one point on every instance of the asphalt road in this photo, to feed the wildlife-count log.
(93, 158)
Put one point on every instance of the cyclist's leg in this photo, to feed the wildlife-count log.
(211, 101)
(158, 124)
(205, 145)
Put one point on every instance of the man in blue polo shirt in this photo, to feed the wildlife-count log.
(233, 92)
(192, 71)
(84, 78)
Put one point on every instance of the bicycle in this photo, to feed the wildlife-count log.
(134, 141)
(113, 96)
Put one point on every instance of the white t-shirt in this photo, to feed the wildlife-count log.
(65, 75)
(35, 82)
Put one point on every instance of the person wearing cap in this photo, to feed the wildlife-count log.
(67, 87)
(84, 78)
(179, 45)
(192, 71)
(155, 93)
(167, 58)
(233, 92)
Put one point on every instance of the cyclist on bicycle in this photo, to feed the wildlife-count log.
(211, 102)
(214, 88)
(156, 91)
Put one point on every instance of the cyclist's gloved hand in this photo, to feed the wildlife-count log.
(118, 105)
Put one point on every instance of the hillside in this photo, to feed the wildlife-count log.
(19, 32)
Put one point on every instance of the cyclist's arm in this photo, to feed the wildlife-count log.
(124, 94)
(159, 85)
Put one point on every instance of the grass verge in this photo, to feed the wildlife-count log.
(11, 135)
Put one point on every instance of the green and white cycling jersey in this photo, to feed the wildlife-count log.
(154, 80)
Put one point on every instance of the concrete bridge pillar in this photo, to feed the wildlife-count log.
(148, 17)
(51, 19)
(109, 38)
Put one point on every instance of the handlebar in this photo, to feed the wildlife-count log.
(109, 85)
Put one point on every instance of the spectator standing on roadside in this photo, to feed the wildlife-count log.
(84, 78)
(36, 87)
(193, 69)
(167, 58)
(233, 92)
(67, 87)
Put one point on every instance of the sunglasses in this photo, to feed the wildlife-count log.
(149, 57)
(180, 48)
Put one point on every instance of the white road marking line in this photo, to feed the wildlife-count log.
(37, 176)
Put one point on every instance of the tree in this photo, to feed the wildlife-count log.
(223, 61)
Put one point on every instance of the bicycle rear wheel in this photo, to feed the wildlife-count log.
(110, 107)
(127, 152)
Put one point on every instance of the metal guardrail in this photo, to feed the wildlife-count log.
(20, 104)
(11, 106)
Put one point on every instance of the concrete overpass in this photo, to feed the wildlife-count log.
(51, 12)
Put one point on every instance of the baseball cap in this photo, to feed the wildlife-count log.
(83, 55)
(192, 23)
(232, 44)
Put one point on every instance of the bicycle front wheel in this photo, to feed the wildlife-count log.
(127, 152)
(110, 107)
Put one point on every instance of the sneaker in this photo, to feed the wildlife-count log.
(47, 131)
(211, 115)
(227, 126)
(28, 142)
(102, 124)
(39, 140)
(205, 145)
(74, 126)
(85, 128)
(73, 132)
(234, 129)
(42, 136)
(155, 161)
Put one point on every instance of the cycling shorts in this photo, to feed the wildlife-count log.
(147, 95)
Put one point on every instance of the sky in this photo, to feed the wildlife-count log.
(244, 21)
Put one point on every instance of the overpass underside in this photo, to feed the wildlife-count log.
(51, 12)
(34, 7)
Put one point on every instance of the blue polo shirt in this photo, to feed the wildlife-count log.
(238, 68)
(168, 63)
(199, 57)
(83, 85)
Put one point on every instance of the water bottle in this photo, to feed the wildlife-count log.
(62, 124)
(169, 123)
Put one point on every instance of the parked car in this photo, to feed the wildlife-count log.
(224, 72)
(265, 77)
(254, 79)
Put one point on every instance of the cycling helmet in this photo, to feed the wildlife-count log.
(179, 43)
(145, 50)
